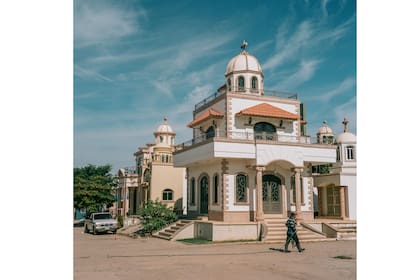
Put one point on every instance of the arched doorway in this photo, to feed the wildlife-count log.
(265, 131)
(272, 195)
(210, 132)
(204, 195)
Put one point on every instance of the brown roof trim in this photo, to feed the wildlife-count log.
(267, 110)
(210, 113)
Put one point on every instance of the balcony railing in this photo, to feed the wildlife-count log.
(266, 92)
(246, 136)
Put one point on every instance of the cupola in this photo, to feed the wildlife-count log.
(244, 73)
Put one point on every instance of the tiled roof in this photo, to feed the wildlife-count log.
(267, 110)
(211, 113)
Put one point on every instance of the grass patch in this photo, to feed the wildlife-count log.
(343, 257)
(195, 241)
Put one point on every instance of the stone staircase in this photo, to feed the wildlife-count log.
(170, 231)
(276, 231)
(345, 230)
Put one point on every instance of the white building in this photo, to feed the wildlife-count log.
(250, 158)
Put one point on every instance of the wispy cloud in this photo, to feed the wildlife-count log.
(89, 74)
(289, 46)
(304, 73)
(324, 7)
(309, 36)
(101, 22)
(346, 85)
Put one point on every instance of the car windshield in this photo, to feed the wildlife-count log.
(102, 216)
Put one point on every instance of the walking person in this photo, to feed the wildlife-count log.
(292, 233)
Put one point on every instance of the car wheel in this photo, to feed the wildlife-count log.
(86, 229)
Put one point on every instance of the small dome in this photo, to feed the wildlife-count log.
(325, 129)
(164, 127)
(346, 137)
(243, 62)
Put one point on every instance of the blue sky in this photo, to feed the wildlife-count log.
(138, 61)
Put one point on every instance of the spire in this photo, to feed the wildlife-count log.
(345, 122)
(244, 44)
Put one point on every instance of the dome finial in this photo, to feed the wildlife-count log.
(345, 122)
(244, 44)
(165, 120)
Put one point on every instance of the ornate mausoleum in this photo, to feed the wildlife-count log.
(250, 158)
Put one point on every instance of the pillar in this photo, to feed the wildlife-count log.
(320, 191)
(284, 200)
(260, 212)
(298, 201)
(343, 202)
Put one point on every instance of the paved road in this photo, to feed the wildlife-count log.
(104, 257)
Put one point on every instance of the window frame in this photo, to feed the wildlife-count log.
(192, 191)
(241, 88)
(245, 191)
(254, 83)
(215, 189)
(167, 192)
(350, 152)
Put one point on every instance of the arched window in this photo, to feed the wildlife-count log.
(241, 83)
(229, 84)
(167, 194)
(338, 154)
(210, 132)
(161, 139)
(241, 188)
(215, 189)
(264, 130)
(192, 191)
(254, 83)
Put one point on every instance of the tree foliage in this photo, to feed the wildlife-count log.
(156, 215)
(93, 187)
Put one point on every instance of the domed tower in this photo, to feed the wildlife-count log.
(164, 134)
(325, 134)
(244, 74)
(346, 148)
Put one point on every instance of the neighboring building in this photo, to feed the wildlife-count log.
(250, 157)
(154, 176)
(335, 191)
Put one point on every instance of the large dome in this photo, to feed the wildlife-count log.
(164, 127)
(243, 62)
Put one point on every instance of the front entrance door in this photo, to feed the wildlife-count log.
(204, 195)
(272, 196)
(333, 201)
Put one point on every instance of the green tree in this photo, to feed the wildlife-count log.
(93, 187)
(156, 215)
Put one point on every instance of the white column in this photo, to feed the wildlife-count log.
(260, 211)
(298, 201)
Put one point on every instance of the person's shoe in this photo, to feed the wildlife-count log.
(287, 251)
(301, 250)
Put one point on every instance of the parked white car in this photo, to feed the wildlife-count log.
(101, 222)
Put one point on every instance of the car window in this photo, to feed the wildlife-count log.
(103, 216)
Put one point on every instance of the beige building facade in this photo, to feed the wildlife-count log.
(154, 176)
